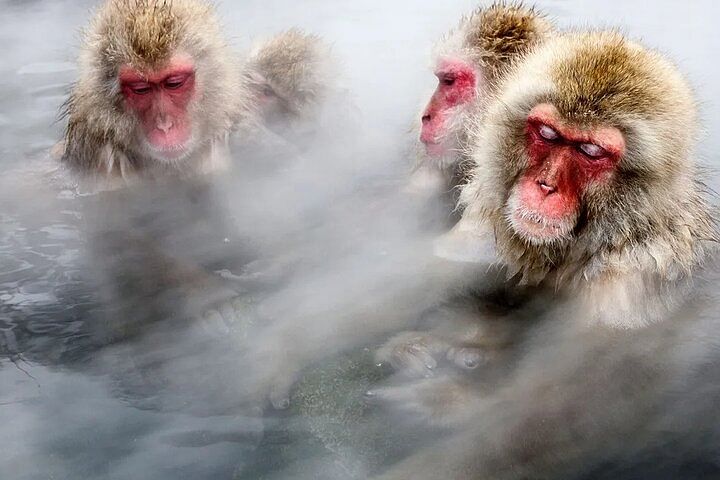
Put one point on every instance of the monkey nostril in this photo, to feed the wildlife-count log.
(547, 189)
(426, 118)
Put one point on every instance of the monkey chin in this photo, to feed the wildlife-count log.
(441, 154)
(435, 149)
(536, 228)
(170, 154)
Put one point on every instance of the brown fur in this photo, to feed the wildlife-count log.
(296, 65)
(101, 138)
(504, 32)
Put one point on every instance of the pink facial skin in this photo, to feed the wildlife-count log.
(160, 100)
(564, 161)
(457, 81)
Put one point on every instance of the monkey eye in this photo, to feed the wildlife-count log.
(548, 133)
(447, 80)
(268, 91)
(173, 83)
(592, 150)
(140, 88)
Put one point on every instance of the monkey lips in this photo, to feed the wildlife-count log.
(535, 227)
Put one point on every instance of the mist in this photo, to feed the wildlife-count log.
(112, 368)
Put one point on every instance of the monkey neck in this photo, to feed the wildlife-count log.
(665, 259)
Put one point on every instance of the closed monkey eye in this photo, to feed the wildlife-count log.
(593, 151)
(548, 133)
(174, 83)
(140, 88)
(447, 79)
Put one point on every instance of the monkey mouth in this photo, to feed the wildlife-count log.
(538, 228)
(434, 148)
(169, 152)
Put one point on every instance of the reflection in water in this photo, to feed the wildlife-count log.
(144, 333)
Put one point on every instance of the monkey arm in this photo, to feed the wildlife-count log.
(558, 414)
(628, 300)
(535, 443)
(471, 330)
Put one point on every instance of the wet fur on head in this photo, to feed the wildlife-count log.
(490, 38)
(493, 37)
(100, 135)
(650, 225)
(299, 66)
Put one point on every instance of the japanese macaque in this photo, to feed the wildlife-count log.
(158, 93)
(585, 175)
(469, 62)
(157, 97)
(291, 76)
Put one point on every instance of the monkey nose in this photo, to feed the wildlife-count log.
(164, 124)
(426, 119)
(545, 187)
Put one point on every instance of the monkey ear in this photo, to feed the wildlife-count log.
(468, 242)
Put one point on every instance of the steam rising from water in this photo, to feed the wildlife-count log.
(109, 371)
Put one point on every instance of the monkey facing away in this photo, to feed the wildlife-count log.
(293, 80)
(469, 62)
(585, 174)
(158, 93)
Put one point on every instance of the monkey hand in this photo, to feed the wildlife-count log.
(237, 317)
(444, 400)
(260, 274)
(57, 151)
(413, 353)
(418, 354)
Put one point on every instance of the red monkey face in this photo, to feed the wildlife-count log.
(457, 81)
(160, 99)
(563, 162)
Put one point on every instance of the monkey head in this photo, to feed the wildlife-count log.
(156, 81)
(456, 90)
(160, 99)
(469, 61)
(584, 162)
(290, 75)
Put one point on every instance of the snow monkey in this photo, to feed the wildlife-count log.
(594, 193)
(158, 92)
(469, 62)
(584, 173)
(292, 76)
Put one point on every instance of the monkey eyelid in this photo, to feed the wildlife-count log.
(140, 88)
(176, 81)
(173, 84)
(547, 132)
(592, 151)
(447, 79)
